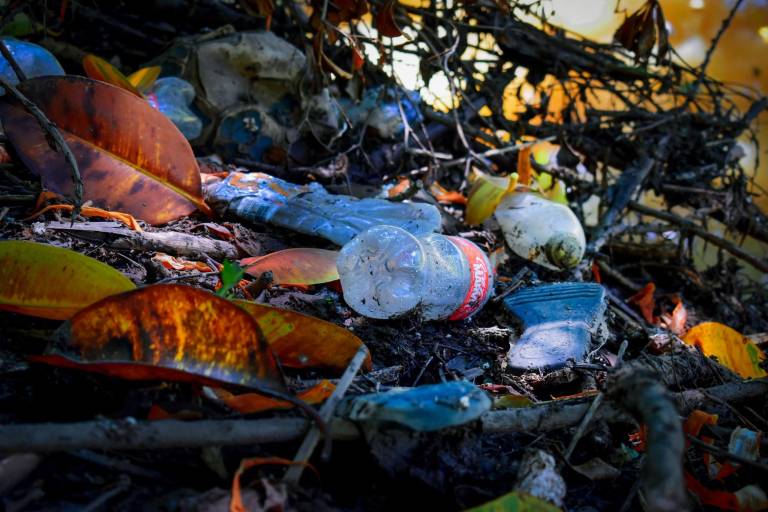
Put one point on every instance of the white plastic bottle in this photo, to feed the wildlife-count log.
(541, 230)
(387, 272)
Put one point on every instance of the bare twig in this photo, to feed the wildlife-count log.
(725, 454)
(641, 394)
(293, 475)
(140, 435)
(701, 233)
(12, 61)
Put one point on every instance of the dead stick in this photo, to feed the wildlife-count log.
(54, 139)
(701, 233)
(293, 475)
(582, 428)
(144, 435)
(630, 181)
(12, 61)
(725, 454)
(639, 392)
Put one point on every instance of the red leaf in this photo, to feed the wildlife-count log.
(250, 403)
(295, 266)
(131, 156)
(385, 20)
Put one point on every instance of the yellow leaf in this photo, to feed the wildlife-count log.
(51, 282)
(515, 502)
(732, 349)
(485, 195)
(552, 189)
(303, 341)
(144, 78)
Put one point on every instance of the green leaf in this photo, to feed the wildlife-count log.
(231, 274)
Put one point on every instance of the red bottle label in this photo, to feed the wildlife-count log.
(479, 279)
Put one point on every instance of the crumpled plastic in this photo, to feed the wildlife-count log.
(425, 408)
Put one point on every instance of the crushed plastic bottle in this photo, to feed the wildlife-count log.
(559, 321)
(541, 231)
(34, 60)
(172, 96)
(425, 408)
(388, 272)
(311, 209)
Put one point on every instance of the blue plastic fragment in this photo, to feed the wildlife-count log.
(558, 320)
(173, 96)
(241, 134)
(34, 60)
(425, 408)
(379, 108)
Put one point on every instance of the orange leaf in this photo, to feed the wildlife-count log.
(524, 170)
(51, 282)
(90, 211)
(732, 349)
(385, 20)
(677, 321)
(174, 263)
(236, 504)
(447, 196)
(645, 302)
(303, 341)
(131, 157)
(99, 69)
(166, 332)
(295, 266)
(250, 403)
(698, 419)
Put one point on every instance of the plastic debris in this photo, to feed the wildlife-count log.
(172, 96)
(541, 231)
(380, 110)
(247, 131)
(558, 320)
(538, 477)
(312, 210)
(425, 408)
(388, 272)
(34, 60)
(248, 67)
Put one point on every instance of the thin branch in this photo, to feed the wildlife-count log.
(701, 233)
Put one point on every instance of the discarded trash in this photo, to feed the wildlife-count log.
(380, 110)
(246, 131)
(310, 209)
(542, 231)
(538, 476)
(248, 67)
(34, 60)
(558, 322)
(387, 272)
(425, 408)
(172, 96)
